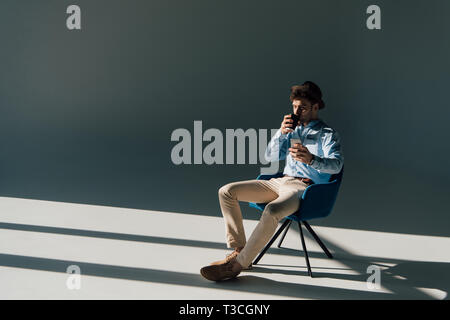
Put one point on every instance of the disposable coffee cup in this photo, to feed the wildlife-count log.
(294, 140)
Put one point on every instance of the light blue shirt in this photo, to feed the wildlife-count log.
(320, 139)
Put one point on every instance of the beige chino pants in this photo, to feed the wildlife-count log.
(282, 196)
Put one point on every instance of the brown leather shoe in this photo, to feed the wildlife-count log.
(228, 258)
(221, 272)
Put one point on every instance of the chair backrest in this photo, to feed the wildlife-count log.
(337, 176)
(318, 199)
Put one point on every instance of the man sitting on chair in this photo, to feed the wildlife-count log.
(313, 161)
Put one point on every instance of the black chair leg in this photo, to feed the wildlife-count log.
(316, 237)
(304, 249)
(280, 229)
(284, 234)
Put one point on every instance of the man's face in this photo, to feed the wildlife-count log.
(303, 108)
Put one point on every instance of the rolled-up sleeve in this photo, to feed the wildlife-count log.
(333, 158)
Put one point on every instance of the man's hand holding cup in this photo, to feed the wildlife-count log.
(300, 153)
(289, 123)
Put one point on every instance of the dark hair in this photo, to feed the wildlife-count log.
(309, 91)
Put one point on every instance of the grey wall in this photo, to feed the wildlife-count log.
(86, 116)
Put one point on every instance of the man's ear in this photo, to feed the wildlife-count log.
(315, 107)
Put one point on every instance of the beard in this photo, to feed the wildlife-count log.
(304, 118)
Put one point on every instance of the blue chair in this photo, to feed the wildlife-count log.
(317, 202)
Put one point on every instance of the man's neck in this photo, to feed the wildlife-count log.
(305, 123)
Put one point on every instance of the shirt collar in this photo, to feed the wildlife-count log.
(312, 123)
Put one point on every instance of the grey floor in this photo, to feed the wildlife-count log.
(140, 254)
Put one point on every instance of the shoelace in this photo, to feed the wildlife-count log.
(230, 256)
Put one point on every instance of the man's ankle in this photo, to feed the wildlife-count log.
(237, 266)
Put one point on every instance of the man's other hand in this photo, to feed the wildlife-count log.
(300, 153)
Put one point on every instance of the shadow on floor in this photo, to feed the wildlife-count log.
(244, 283)
(401, 279)
(129, 237)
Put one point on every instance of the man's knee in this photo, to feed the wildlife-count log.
(268, 217)
(226, 190)
(279, 210)
(272, 211)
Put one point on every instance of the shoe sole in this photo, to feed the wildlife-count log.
(215, 279)
(250, 267)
